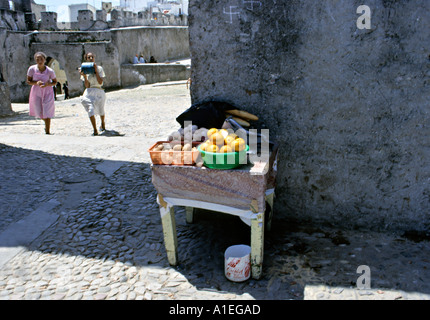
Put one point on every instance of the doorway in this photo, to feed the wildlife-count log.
(61, 78)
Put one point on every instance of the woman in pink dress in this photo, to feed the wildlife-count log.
(42, 100)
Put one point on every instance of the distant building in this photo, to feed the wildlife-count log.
(24, 15)
(75, 8)
(134, 5)
(16, 15)
(37, 9)
(107, 6)
(16, 5)
(175, 7)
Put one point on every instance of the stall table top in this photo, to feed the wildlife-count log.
(242, 191)
(238, 188)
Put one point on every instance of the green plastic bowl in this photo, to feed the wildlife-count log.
(224, 161)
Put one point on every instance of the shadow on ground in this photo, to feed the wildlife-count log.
(17, 117)
(111, 133)
(117, 218)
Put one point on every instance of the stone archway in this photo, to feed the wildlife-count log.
(59, 72)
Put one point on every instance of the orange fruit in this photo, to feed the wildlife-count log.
(212, 131)
(238, 145)
(217, 138)
(212, 148)
(229, 139)
(242, 141)
(234, 135)
(224, 132)
(204, 146)
(226, 149)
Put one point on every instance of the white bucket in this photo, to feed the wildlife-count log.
(237, 263)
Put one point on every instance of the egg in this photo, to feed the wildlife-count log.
(178, 147)
(166, 157)
(159, 148)
(187, 147)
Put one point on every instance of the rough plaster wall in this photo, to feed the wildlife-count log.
(112, 48)
(15, 52)
(70, 36)
(2, 52)
(164, 43)
(22, 5)
(108, 57)
(349, 107)
(147, 73)
(5, 105)
(12, 20)
(70, 57)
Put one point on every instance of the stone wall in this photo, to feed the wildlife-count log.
(15, 60)
(349, 106)
(5, 104)
(70, 57)
(22, 5)
(4, 4)
(147, 73)
(48, 21)
(164, 43)
(119, 19)
(112, 48)
(12, 20)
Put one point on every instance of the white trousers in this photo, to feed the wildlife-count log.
(93, 101)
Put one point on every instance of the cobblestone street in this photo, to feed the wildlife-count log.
(79, 220)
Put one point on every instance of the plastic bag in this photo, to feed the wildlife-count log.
(206, 114)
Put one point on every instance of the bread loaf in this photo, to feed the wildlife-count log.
(243, 114)
(242, 122)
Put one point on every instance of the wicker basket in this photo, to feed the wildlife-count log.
(174, 158)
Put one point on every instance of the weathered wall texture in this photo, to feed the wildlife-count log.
(163, 43)
(350, 107)
(112, 49)
(12, 20)
(118, 19)
(5, 105)
(14, 55)
(147, 73)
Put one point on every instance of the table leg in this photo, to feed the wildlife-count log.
(257, 246)
(270, 201)
(189, 214)
(169, 230)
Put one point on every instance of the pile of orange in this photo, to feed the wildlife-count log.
(221, 141)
